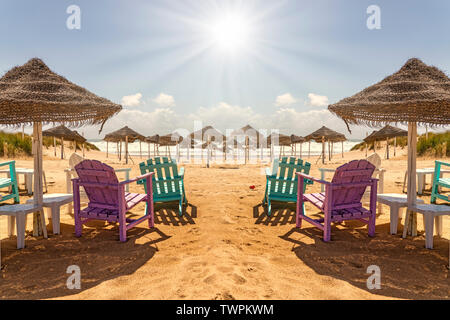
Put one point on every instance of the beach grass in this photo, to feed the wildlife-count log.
(12, 144)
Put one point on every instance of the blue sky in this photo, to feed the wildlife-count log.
(297, 56)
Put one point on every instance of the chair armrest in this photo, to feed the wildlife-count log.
(7, 163)
(308, 177)
(442, 163)
(142, 177)
(181, 172)
(268, 172)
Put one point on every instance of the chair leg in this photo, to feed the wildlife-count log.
(122, 227)
(438, 225)
(327, 228)
(78, 225)
(269, 207)
(20, 226)
(429, 231)
(56, 212)
(300, 213)
(150, 212)
(11, 224)
(394, 212)
(371, 225)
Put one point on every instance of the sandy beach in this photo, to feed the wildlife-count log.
(224, 247)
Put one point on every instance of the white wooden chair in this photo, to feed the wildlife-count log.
(71, 174)
(375, 159)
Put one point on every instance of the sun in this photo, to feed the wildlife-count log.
(230, 33)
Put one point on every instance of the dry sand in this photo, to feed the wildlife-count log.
(224, 247)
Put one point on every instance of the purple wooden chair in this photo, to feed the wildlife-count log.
(342, 197)
(107, 197)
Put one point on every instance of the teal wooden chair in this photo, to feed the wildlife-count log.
(168, 181)
(438, 182)
(281, 181)
(10, 182)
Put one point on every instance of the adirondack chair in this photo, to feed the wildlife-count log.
(281, 182)
(439, 182)
(10, 182)
(107, 197)
(168, 181)
(342, 199)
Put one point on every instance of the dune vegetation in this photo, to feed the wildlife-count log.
(12, 144)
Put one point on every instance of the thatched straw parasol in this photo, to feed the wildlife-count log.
(417, 93)
(279, 139)
(125, 134)
(295, 140)
(388, 132)
(63, 133)
(206, 133)
(254, 136)
(33, 94)
(323, 135)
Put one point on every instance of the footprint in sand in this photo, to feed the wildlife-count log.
(238, 279)
(210, 279)
(224, 296)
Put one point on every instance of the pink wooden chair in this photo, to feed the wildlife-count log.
(107, 197)
(342, 199)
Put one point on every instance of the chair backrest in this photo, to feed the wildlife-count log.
(285, 182)
(287, 167)
(99, 175)
(352, 172)
(375, 159)
(74, 160)
(162, 167)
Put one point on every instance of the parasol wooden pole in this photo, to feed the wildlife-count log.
(62, 148)
(178, 153)
(75, 146)
(395, 147)
(411, 217)
(342, 149)
(23, 132)
(309, 149)
(54, 145)
(208, 154)
(140, 149)
(387, 148)
(301, 150)
(106, 149)
(84, 155)
(367, 134)
(38, 191)
(126, 150)
(148, 147)
(323, 150)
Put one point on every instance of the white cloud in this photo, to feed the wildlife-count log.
(285, 100)
(225, 117)
(132, 100)
(164, 100)
(316, 100)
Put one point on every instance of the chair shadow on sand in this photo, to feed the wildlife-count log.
(282, 214)
(408, 269)
(39, 270)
